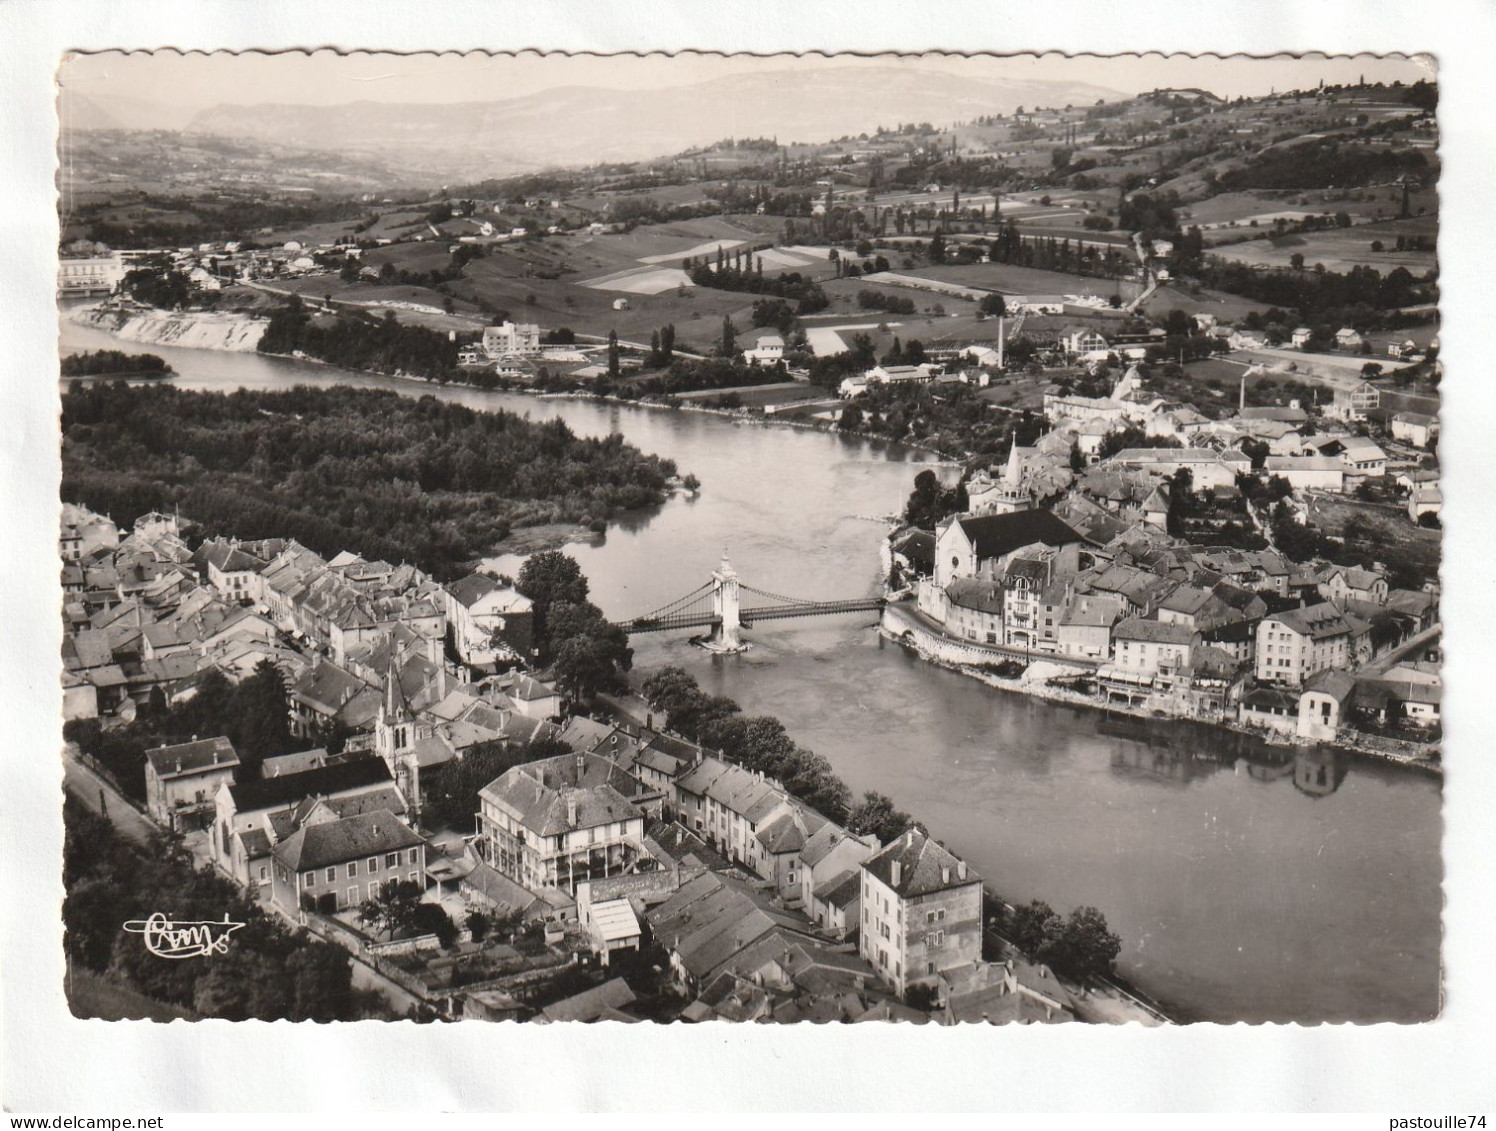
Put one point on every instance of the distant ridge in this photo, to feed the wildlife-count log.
(584, 125)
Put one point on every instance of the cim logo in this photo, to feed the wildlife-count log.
(167, 938)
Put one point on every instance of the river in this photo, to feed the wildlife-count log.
(1238, 895)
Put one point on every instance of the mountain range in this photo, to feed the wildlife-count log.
(584, 125)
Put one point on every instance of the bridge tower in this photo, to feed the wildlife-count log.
(725, 606)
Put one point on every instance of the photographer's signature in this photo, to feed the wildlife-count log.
(190, 938)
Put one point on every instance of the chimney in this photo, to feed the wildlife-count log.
(961, 869)
(581, 766)
(898, 873)
(571, 810)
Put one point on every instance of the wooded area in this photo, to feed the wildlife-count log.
(388, 476)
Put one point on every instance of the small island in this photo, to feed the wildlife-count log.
(114, 363)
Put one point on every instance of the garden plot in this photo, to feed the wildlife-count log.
(693, 252)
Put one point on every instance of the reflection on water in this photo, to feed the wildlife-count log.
(1295, 887)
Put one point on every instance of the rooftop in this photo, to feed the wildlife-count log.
(921, 866)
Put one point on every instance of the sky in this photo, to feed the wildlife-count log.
(183, 84)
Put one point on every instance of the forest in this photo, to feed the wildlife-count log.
(356, 342)
(389, 476)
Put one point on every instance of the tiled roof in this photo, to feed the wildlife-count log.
(971, 593)
(324, 781)
(192, 757)
(842, 890)
(350, 838)
(537, 794)
(995, 535)
(1318, 622)
(924, 866)
(590, 1005)
(1152, 631)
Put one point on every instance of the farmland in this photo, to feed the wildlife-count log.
(1340, 249)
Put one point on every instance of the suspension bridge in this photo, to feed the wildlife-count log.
(719, 605)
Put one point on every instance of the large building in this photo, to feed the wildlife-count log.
(511, 339)
(562, 820)
(972, 546)
(1293, 645)
(182, 782)
(90, 275)
(921, 911)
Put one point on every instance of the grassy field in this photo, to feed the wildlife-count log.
(1403, 539)
(90, 995)
(1340, 249)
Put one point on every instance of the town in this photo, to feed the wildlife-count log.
(1164, 369)
(623, 844)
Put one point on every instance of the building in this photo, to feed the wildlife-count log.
(489, 621)
(336, 863)
(1320, 473)
(980, 546)
(1004, 496)
(767, 351)
(1414, 428)
(1323, 703)
(562, 820)
(182, 782)
(83, 532)
(1207, 468)
(1347, 339)
(1338, 583)
(1362, 457)
(90, 275)
(1085, 628)
(1151, 647)
(1301, 338)
(921, 911)
(511, 339)
(1354, 403)
(1293, 645)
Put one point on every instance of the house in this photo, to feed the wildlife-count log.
(229, 569)
(735, 809)
(1354, 403)
(489, 621)
(336, 863)
(620, 304)
(83, 532)
(1244, 340)
(510, 339)
(1301, 337)
(556, 822)
(1425, 500)
(1362, 457)
(1294, 644)
(980, 546)
(768, 350)
(1323, 703)
(182, 781)
(1269, 708)
(973, 610)
(1337, 583)
(921, 911)
(612, 926)
(827, 857)
(607, 1002)
(246, 814)
(1347, 339)
(1085, 628)
(1152, 647)
(1414, 428)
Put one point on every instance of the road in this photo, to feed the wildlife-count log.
(99, 796)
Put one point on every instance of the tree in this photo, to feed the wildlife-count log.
(321, 979)
(393, 909)
(1296, 261)
(260, 725)
(1087, 947)
(729, 345)
(992, 305)
(851, 419)
(937, 248)
(547, 578)
(1034, 928)
(613, 366)
(432, 919)
(875, 815)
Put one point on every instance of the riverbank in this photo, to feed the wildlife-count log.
(902, 626)
(200, 329)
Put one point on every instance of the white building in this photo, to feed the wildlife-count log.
(91, 275)
(511, 340)
(768, 350)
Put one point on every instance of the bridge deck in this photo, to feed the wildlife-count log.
(750, 616)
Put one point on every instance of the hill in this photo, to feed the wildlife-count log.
(622, 125)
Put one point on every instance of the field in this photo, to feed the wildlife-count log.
(1340, 249)
(1403, 541)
